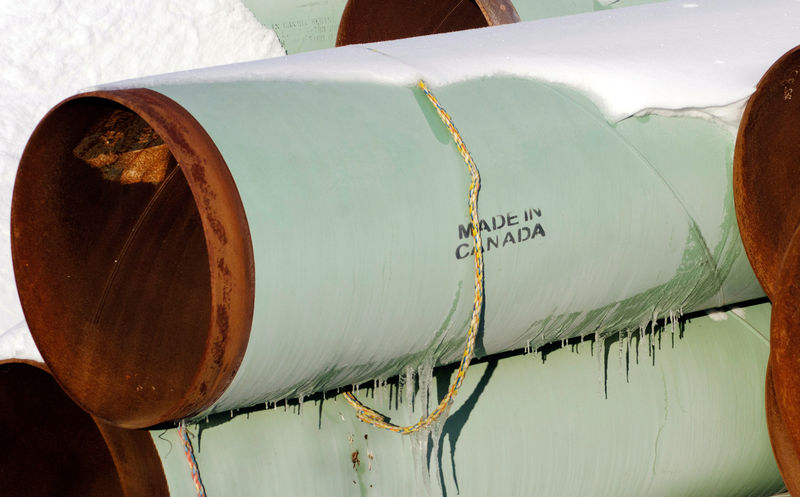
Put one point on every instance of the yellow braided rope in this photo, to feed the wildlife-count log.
(374, 418)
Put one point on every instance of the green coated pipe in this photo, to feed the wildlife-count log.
(686, 421)
(313, 232)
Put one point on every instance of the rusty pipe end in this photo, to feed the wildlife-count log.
(52, 447)
(366, 21)
(766, 169)
(132, 257)
(783, 377)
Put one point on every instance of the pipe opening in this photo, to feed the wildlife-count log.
(50, 446)
(366, 21)
(113, 264)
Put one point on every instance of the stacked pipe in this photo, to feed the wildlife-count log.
(765, 185)
(201, 245)
(51, 447)
(306, 26)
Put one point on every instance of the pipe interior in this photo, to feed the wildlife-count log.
(111, 260)
(365, 21)
(49, 445)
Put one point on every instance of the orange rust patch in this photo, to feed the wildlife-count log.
(126, 149)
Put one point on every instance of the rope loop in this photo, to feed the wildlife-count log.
(378, 420)
(188, 451)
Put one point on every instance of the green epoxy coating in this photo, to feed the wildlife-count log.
(300, 26)
(530, 10)
(355, 204)
(689, 422)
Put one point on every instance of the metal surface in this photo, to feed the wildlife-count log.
(766, 182)
(688, 422)
(80, 238)
(766, 176)
(498, 12)
(786, 455)
(49, 446)
(366, 21)
(785, 365)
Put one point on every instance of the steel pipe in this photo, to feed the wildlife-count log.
(768, 211)
(688, 421)
(366, 21)
(141, 216)
(52, 447)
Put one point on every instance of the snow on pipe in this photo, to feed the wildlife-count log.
(51, 447)
(768, 211)
(687, 421)
(268, 230)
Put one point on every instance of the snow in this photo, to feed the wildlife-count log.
(17, 343)
(50, 49)
(702, 58)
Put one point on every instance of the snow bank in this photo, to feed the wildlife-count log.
(50, 49)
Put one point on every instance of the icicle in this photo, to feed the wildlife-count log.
(419, 455)
(436, 434)
(300, 403)
(425, 378)
(600, 353)
(409, 392)
(642, 333)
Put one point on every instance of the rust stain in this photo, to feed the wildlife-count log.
(354, 459)
(125, 149)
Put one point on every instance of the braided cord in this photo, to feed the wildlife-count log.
(376, 419)
(190, 460)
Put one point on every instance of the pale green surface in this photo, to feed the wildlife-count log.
(301, 26)
(354, 193)
(688, 422)
(530, 10)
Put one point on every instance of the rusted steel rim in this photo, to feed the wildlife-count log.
(766, 177)
(785, 367)
(365, 21)
(766, 169)
(782, 445)
(52, 447)
(132, 256)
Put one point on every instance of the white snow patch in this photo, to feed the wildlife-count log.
(718, 316)
(656, 56)
(50, 49)
(17, 343)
